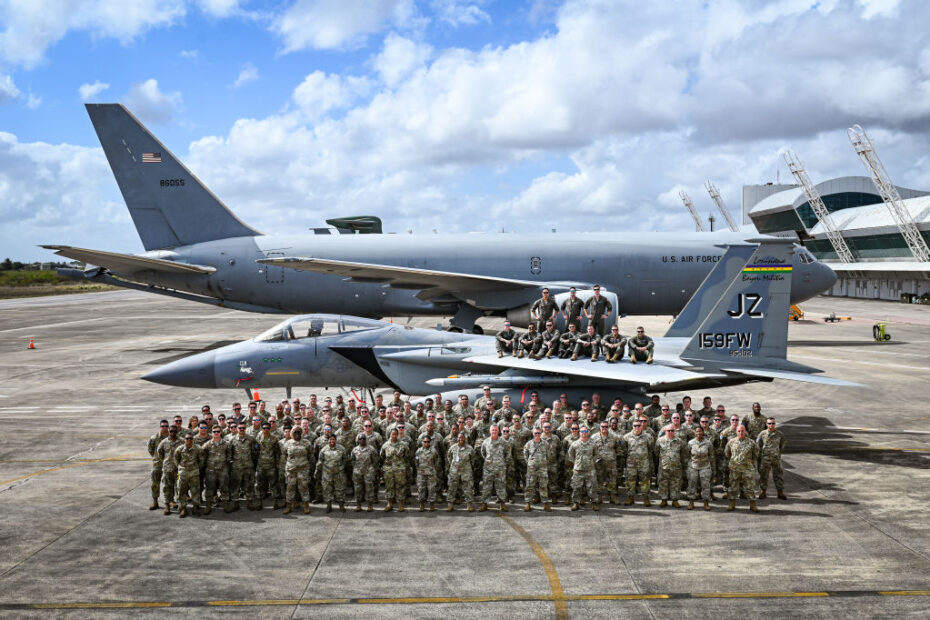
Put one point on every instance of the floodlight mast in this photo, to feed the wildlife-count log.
(685, 198)
(820, 209)
(715, 196)
(902, 217)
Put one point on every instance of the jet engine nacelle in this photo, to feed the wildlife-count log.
(520, 317)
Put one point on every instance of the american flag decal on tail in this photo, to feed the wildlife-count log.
(151, 158)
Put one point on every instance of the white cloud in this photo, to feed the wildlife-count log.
(8, 90)
(458, 13)
(89, 91)
(29, 28)
(248, 74)
(399, 58)
(33, 101)
(335, 24)
(320, 93)
(219, 8)
(189, 54)
(149, 103)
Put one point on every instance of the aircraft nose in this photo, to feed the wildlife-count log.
(196, 371)
(822, 278)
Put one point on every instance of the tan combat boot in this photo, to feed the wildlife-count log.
(500, 354)
(575, 506)
(287, 509)
(574, 357)
(595, 506)
(371, 506)
(527, 508)
(762, 494)
(629, 501)
(632, 359)
(389, 507)
(484, 507)
(183, 512)
(400, 506)
(167, 509)
(781, 495)
(593, 358)
(432, 506)
(450, 507)
(649, 359)
(706, 505)
(613, 499)
(752, 506)
(675, 504)
(663, 504)
(646, 501)
(154, 505)
(691, 504)
(520, 355)
(358, 506)
(732, 505)
(306, 508)
(422, 506)
(547, 507)
(503, 507)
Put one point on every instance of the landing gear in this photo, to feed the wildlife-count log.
(465, 318)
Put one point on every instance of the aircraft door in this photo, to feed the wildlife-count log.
(584, 295)
(273, 273)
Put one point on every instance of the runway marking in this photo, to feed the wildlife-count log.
(284, 372)
(135, 458)
(78, 464)
(47, 325)
(555, 585)
(447, 600)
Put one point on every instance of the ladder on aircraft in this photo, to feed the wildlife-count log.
(902, 217)
(715, 196)
(820, 209)
(685, 198)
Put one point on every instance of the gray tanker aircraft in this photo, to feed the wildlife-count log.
(732, 331)
(197, 249)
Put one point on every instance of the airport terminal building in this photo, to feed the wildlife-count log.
(884, 266)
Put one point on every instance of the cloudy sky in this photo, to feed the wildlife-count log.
(451, 115)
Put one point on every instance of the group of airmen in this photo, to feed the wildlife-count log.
(479, 454)
(543, 340)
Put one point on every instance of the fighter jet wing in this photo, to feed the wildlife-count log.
(793, 376)
(432, 282)
(126, 263)
(624, 373)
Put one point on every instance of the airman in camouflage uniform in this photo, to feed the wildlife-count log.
(672, 457)
(725, 437)
(572, 309)
(266, 468)
(613, 345)
(298, 453)
(543, 310)
(743, 453)
(243, 453)
(494, 454)
(157, 468)
(701, 463)
(506, 340)
(548, 342)
(519, 435)
(364, 459)
(427, 471)
(641, 347)
(530, 342)
(169, 468)
(331, 463)
(755, 422)
(189, 459)
(216, 470)
(771, 446)
(536, 457)
(638, 462)
(459, 459)
(394, 456)
(608, 450)
(597, 309)
(580, 458)
(567, 341)
(588, 344)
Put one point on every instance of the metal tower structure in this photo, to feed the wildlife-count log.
(820, 209)
(902, 217)
(685, 198)
(715, 196)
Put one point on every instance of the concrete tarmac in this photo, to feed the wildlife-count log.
(78, 539)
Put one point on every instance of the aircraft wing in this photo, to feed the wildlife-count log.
(652, 375)
(432, 282)
(793, 376)
(126, 263)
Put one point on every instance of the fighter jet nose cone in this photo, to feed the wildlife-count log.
(195, 371)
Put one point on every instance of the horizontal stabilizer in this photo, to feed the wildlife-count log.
(627, 374)
(126, 263)
(793, 376)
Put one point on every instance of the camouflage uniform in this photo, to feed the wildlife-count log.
(754, 424)
(394, 456)
(671, 453)
(216, 471)
(742, 454)
(365, 472)
(189, 460)
(771, 446)
(723, 471)
(331, 464)
(169, 469)
(157, 468)
(297, 455)
(701, 463)
(266, 468)
(427, 471)
(581, 456)
(459, 459)
(536, 456)
(638, 462)
(494, 453)
(608, 452)
(519, 437)
(243, 452)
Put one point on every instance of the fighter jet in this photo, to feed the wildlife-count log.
(197, 249)
(732, 331)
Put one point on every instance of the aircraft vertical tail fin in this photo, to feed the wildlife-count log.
(748, 323)
(168, 204)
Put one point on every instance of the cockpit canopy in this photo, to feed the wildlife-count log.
(804, 255)
(313, 325)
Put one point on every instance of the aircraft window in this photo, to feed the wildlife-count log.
(313, 327)
(276, 333)
(805, 257)
(352, 325)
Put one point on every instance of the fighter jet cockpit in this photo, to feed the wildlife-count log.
(316, 325)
